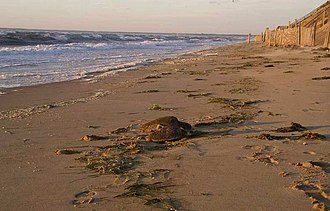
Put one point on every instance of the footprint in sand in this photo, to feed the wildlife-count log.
(264, 154)
(315, 183)
(319, 194)
(85, 197)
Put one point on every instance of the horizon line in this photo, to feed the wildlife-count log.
(107, 31)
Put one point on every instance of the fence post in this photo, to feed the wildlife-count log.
(296, 23)
(249, 38)
(264, 36)
(327, 37)
(299, 35)
(314, 35)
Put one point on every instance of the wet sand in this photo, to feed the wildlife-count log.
(241, 99)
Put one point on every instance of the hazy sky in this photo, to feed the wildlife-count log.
(193, 16)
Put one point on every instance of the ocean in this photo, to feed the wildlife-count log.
(31, 57)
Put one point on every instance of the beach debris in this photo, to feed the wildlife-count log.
(326, 68)
(289, 71)
(120, 130)
(321, 78)
(245, 65)
(309, 153)
(320, 49)
(186, 91)
(149, 91)
(152, 77)
(245, 85)
(167, 128)
(312, 136)
(236, 118)
(171, 204)
(305, 136)
(295, 127)
(86, 197)
(253, 57)
(93, 138)
(141, 190)
(166, 73)
(269, 137)
(123, 159)
(234, 103)
(93, 126)
(114, 164)
(9, 132)
(156, 107)
(199, 95)
(283, 174)
(200, 72)
(323, 56)
(152, 195)
(206, 194)
(67, 151)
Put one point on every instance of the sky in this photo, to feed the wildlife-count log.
(177, 16)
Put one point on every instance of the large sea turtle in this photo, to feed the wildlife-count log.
(167, 128)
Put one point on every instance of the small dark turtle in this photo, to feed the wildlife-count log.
(167, 128)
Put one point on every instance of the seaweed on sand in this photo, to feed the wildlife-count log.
(236, 118)
(157, 107)
(199, 72)
(306, 136)
(117, 164)
(152, 77)
(149, 91)
(141, 190)
(186, 91)
(164, 203)
(321, 78)
(200, 95)
(93, 138)
(234, 103)
(295, 127)
(245, 85)
(152, 195)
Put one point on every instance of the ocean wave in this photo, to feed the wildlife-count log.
(29, 74)
(56, 47)
(18, 65)
(30, 37)
(40, 57)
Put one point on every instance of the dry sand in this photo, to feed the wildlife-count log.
(235, 163)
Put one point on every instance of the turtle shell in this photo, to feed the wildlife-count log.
(167, 128)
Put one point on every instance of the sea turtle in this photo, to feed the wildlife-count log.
(167, 128)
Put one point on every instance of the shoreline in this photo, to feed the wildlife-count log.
(116, 70)
(241, 94)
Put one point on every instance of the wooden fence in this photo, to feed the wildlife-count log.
(297, 36)
(312, 30)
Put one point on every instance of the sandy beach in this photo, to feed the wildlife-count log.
(245, 153)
